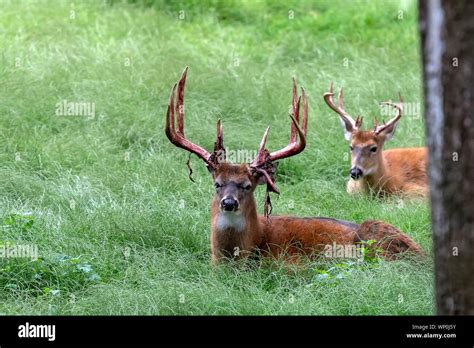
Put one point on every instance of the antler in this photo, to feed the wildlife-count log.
(399, 107)
(339, 109)
(263, 162)
(176, 136)
(294, 147)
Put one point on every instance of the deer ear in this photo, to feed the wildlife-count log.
(388, 132)
(212, 171)
(260, 179)
(266, 176)
(348, 129)
(350, 126)
(257, 178)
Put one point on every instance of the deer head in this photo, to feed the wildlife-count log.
(235, 183)
(365, 145)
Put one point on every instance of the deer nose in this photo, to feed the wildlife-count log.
(355, 173)
(229, 204)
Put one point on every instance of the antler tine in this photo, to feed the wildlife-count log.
(340, 102)
(294, 147)
(328, 98)
(220, 134)
(169, 130)
(295, 110)
(261, 154)
(398, 107)
(177, 137)
(180, 101)
(219, 154)
(376, 123)
(304, 121)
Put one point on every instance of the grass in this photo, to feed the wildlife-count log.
(119, 227)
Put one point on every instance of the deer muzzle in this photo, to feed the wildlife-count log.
(356, 173)
(229, 203)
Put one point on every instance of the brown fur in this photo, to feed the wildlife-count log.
(287, 235)
(389, 239)
(397, 171)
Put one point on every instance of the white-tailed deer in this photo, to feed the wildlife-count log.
(236, 228)
(396, 171)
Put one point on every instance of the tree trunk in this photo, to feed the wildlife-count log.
(447, 33)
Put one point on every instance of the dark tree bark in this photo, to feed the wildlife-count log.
(447, 33)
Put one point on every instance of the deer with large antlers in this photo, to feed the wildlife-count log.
(237, 229)
(396, 171)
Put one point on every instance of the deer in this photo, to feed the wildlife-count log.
(237, 230)
(399, 171)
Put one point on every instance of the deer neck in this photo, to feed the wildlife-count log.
(234, 234)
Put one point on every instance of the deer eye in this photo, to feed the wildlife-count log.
(217, 185)
(373, 149)
(245, 187)
(351, 147)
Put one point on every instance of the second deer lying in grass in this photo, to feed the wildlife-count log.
(237, 230)
(396, 171)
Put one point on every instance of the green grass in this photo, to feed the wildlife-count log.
(119, 227)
